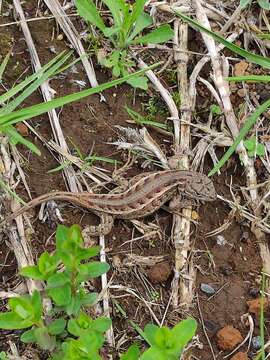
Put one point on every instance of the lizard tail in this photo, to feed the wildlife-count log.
(57, 195)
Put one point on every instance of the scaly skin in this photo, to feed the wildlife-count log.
(143, 197)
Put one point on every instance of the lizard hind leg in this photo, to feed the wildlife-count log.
(103, 228)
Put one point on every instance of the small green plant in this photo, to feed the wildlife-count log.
(165, 343)
(254, 148)
(129, 21)
(264, 4)
(63, 273)
(68, 332)
(3, 355)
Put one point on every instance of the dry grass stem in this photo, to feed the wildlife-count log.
(69, 172)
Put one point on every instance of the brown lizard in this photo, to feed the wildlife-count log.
(146, 194)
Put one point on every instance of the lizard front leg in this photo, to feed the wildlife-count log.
(103, 228)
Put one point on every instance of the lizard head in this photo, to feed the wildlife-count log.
(201, 187)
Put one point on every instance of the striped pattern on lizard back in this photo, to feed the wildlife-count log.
(143, 197)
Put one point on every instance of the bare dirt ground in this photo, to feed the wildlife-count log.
(232, 268)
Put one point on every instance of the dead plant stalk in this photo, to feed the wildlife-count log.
(224, 92)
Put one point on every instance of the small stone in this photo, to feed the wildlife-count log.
(116, 261)
(254, 306)
(207, 289)
(60, 37)
(160, 273)
(210, 326)
(256, 342)
(240, 68)
(22, 129)
(226, 269)
(254, 291)
(221, 240)
(245, 236)
(228, 338)
(240, 356)
(241, 93)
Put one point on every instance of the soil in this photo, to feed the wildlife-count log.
(232, 269)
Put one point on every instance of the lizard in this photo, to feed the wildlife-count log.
(146, 194)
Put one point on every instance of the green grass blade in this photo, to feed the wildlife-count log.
(254, 78)
(257, 59)
(42, 108)
(16, 138)
(32, 87)
(264, 36)
(7, 189)
(4, 65)
(12, 92)
(251, 120)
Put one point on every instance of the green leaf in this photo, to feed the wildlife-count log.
(133, 353)
(251, 120)
(74, 328)
(88, 11)
(58, 279)
(110, 32)
(59, 288)
(16, 138)
(116, 71)
(184, 332)
(37, 305)
(264, 4)
(32, 272)
(25, 83)
(88, 253)
(61, 236)
(215, 109)
(115, 9)
(12, 321)
(57, 327)
(157, 36)
(47, 264)
(140, 82)
(155, 353)
(4, 65)
(142, 22)
(254, 148)
(38, 109)
(91, 270)
(3, 356)
(254, 78)
(43, 339)
(27, 307)
(138, 8)
(150, 331)
(257, 59)
(101, 324)
(61, 295)
(244, 3)
(75, 235)
(89, 299)
(28, 336)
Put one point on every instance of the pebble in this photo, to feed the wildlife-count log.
(226, 270)
(211, 326)
(254, 291)
(256, 342)
(240, 356)
(207, 289)
(221, 240)
(244, 236)
(228, 338)
(160, 273)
